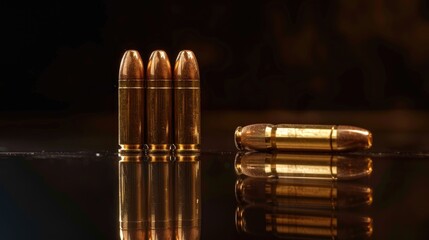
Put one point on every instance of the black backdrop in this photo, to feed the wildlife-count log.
(300, 55)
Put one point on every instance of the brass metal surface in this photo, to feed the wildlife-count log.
(302, 166)
(132, 198)
(131, 102)
(187, 197)
(293, 137)
(159, 104)
(186, 92)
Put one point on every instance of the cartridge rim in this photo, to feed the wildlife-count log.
(237, 138)
(182, 148)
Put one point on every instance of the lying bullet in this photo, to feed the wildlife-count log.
(305, 166)
(269, 222)
(160, 197)
(187, 197)
(132, 198)
(131, 102)
(302, 193)
(159, 102)
(186, 102)
(294, 137)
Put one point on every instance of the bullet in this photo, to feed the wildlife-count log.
(294, 137)
(305, 166)
(159, 102)
(131, 102)
(187, 197)
(186, 102)
(302, 193)
(132, 198)
(260, 220)
(160, 197)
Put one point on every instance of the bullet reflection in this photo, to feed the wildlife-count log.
(284, 195)
(307, 166)
(187, 196)
(132, 197)
(302, 193)
(266, 221)
(159, 197)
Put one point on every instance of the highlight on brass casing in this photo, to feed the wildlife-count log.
(159, 102)
(132, 198)
(293, 137)
(187, 196)
(186, 92)
(302, 193)
(266, 221)
(160, 196)
(308, 166)
(131, 102)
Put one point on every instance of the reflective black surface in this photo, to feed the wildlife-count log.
(74, 195)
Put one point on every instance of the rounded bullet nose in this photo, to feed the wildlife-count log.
(353, 138)
(254, 137)
(131, 66)
(186, 66)
(158, 66)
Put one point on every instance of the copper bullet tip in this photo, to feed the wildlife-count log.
(131, 66)
(159, 66)
(351, 138)
(186, 66)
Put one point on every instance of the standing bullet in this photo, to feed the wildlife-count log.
(131, 102)
(159, 102)
(293, 137)
(186, 102)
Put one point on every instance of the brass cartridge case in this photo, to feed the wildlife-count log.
(159, 104)
(295, 137)
(267, 221)
(186, 110)
(132, 198)
(131, 102)
(304, 166)
(160, 197)
(301, 193)
(187, 197)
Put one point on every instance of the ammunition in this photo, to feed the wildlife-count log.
(186, 102)
(294, 137)
(266, 221)
(160, 197)
(187, 197)
(131, 102)
(132, 198)
(159, 102)
(305, 166)
(302, 193)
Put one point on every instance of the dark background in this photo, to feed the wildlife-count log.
(291, 55)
